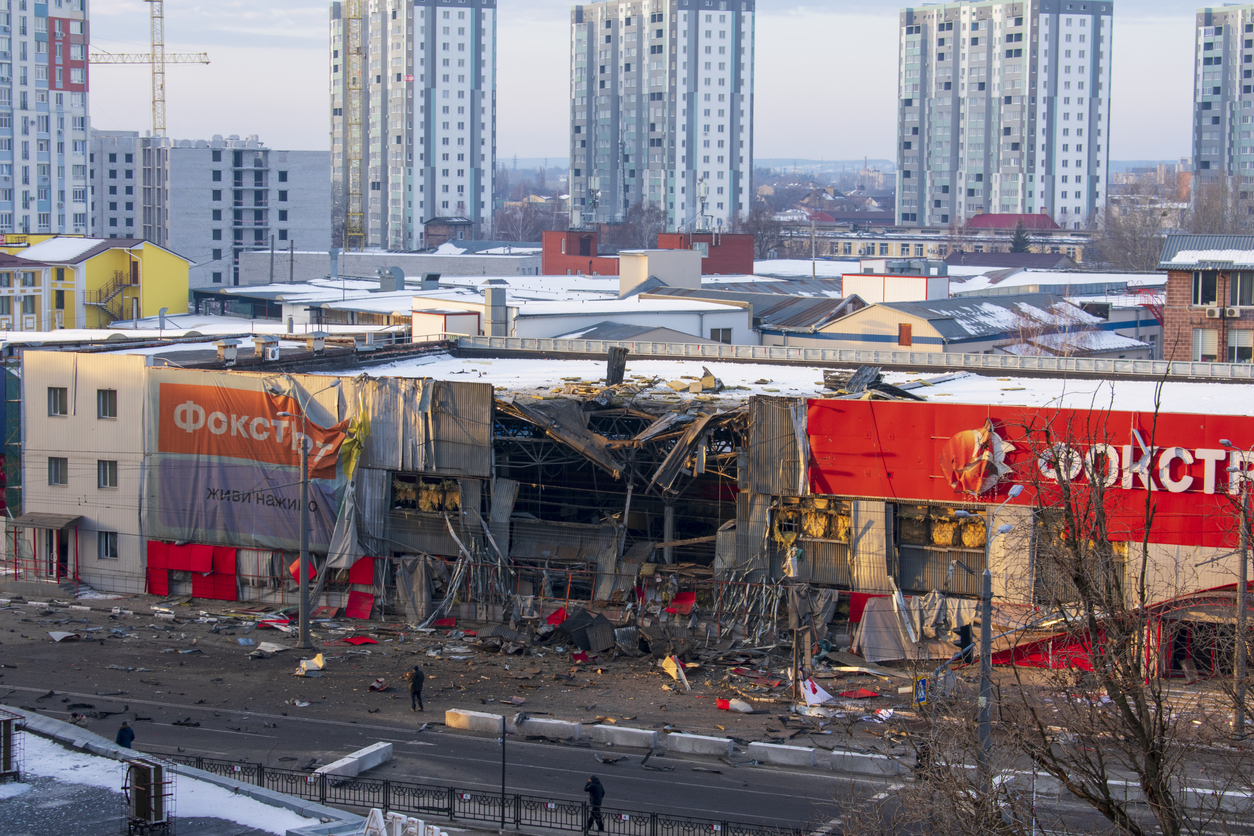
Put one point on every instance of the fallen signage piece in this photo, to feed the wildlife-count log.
(814, 694)
(271, 647)
(60, 636)
(860, 694)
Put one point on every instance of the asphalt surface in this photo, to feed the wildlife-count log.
(468, 761)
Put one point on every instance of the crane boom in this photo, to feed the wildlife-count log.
(146, 58)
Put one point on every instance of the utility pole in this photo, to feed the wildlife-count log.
(814, 265)
(272, 259)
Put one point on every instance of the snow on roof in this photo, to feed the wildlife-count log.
(532, 375)
(1047, 280)
(631, 305)
(988, 315)
(1239, 258)
(1079, 343)
(65, 249)
(804, 268)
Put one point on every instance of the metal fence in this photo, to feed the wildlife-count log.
(939, 361)
(512, 809)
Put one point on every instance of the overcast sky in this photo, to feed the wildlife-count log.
(826, 75)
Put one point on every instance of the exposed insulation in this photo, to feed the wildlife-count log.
(814, 524)
(943, 531)
(973, 534)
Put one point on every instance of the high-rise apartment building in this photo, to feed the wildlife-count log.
(413, 117)
(43, 116)
(1223, 91)
(662, 110)
(209, 200)
(1004, 107)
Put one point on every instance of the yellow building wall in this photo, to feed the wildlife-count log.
(163, 283)
(875, 328)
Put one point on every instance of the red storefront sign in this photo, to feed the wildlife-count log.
(953, 453)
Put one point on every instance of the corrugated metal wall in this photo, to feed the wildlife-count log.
(775, 456)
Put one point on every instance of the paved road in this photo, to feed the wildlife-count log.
(474, 762)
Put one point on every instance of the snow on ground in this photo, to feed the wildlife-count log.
(530, 375)
(13, 790)
(193, 799)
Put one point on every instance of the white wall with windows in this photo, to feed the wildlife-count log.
(82, 440)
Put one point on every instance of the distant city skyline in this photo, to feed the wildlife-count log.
(826, 76)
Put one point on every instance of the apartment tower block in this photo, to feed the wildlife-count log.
(1223, 91)
(43, 117)
(413, 117)
(1003, 107)
(662, 110)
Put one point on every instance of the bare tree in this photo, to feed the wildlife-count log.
(767, 232)
(1132, 231)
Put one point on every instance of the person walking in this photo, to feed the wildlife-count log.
(126, 735)
(596, 793)
(416, 677)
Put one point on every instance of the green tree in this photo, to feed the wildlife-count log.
(1021, 242)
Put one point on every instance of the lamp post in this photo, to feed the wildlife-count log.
(986, 636)
(303, 641)
(1238, 666)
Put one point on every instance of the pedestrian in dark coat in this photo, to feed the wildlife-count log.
(416, 677)
(596, 794)
(126, 735)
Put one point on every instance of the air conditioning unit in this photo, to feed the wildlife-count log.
(1232, 313)
(272, 352)
(147, 792)
(1214, 313)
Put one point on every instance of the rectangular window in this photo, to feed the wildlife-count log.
(107, 545)
(106, 403)
(721, 335)
(1205, 345)
(1205, 287)
(1241, 289)
(1241, 346)
(58, 470)
(106, 474)
(58, 400)
(905, 334)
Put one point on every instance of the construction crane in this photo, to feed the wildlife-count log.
(158, 58)
(355, 217)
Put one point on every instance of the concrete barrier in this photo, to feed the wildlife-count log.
(865, 763)
(695, 744)
(617, 736)
(551, 729)
(478, 721)
(782, 755)
(350, 766)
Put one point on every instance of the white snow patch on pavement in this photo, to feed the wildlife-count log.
(193, 799)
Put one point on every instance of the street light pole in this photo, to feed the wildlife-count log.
(304, 643)
(1239, 662)
(986, 638)
(1238, 716)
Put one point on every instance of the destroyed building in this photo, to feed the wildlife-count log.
(652, 493)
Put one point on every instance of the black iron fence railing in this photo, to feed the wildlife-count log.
(454, 804)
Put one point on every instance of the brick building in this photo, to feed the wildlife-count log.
(1209, 310)
(577, 251)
